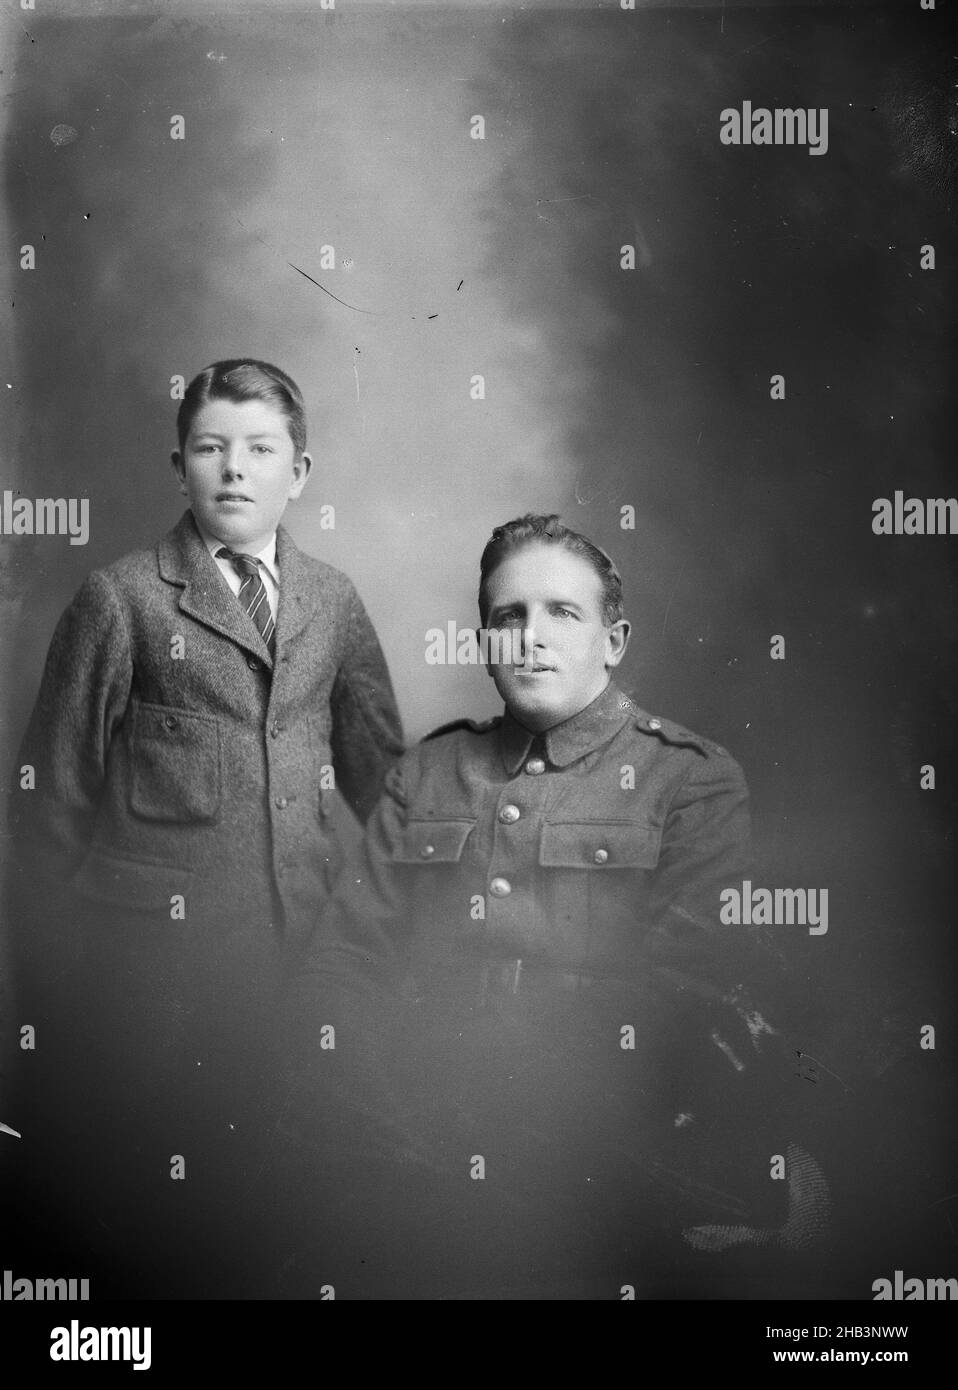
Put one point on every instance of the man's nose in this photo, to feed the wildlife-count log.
(530, 638)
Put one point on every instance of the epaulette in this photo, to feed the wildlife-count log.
(672, 733)
(474, 726)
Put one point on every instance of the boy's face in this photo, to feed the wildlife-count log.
(239, 468)
(555, 597)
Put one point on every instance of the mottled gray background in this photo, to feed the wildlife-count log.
(603, 388)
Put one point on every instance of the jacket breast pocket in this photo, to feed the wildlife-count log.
(433, 841)
(177, 769)
(599, 845)
(595, 878)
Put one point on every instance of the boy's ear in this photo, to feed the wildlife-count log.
(302, 467)
(616, 641)
(179, 468)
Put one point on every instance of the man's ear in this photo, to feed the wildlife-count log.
(616, 641)
(302, 467)
(179, 468)
(484, 651)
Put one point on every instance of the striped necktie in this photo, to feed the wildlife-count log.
(252, 594)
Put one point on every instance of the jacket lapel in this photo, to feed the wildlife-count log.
(185, 561)
(297, 589)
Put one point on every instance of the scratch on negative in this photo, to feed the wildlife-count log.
(371, 312)
(803, 1053)
(668, 606)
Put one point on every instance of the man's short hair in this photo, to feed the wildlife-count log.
(529, 529)
(244, 379)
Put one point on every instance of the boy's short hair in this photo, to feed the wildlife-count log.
(525, 530)
(244, 379)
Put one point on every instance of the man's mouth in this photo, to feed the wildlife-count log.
(232, 497)
(536, 669)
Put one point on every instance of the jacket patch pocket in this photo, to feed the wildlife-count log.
(176, 764)
(599, 845)
(433, 841)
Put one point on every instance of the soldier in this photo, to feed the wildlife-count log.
(547, 1071)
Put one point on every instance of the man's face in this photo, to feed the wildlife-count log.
(555, 597)
(239, 468)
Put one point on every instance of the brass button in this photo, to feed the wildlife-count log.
(252, 663)
(281, 803)
(655, 723)
(170, 721)
(500, 888)
(277, 728)
(601, 856)
(509, 815)
(427, 851)
(534, 766)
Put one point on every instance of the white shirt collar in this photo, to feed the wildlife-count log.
(267, 556)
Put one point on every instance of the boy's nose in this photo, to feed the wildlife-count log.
(232, 463)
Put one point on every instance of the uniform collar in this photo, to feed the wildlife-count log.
(573, 738)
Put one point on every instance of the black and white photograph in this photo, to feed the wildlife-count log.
(478, 602)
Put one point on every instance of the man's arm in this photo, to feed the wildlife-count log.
(367, 731)
(347, 989)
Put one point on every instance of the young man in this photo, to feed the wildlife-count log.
(540, 1022)
(204, 704)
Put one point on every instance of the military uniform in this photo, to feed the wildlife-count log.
(525, 965)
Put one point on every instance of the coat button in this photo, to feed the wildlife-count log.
(509, 815)
(601, 856)
(500, 888)
(170, 721)
(282, 802)
(534, 766)
(276, 728)
(253, 663)
(427, 851)
(655, 723)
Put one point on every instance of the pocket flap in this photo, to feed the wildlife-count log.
(177, 770)
(433, 841)
(600, 845)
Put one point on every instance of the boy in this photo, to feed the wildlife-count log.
(202, 705)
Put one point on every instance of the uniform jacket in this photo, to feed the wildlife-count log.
(599, 852)
(175, 756)
(526, 961)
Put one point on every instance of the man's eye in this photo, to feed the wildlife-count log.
(565, 612)
(509, 616)
(262, 449)
(206, 448)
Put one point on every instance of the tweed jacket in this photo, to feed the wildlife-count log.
(174, 756)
